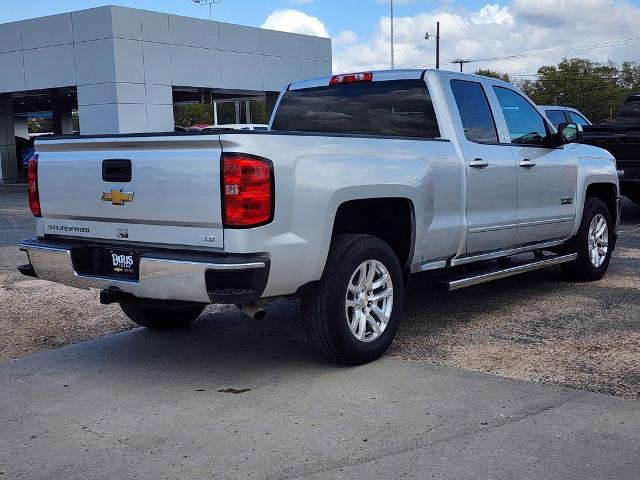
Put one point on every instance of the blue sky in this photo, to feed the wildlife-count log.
(338, 15)
(476, 29)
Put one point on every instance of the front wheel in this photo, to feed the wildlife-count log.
(161, 318)
(593, 243)
(353, 314)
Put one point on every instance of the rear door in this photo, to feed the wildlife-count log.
(491, 171)
(547, 177)
(162, 190)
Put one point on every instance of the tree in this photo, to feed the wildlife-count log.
(596, 89)
(486, 72)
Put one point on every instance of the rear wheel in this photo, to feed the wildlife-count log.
(161, 318)
(353, 314)
(592, 243)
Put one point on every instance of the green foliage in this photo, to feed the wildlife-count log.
(486, 72)
(259, 111)
(39, 125)
(193, 114)
(596, 89)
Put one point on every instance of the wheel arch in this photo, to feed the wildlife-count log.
(395, 225)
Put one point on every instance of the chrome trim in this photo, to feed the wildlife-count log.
(493, 228)
(159, 278)
(508, 272)
(523, 224)
(133, 221)
(505, 253)
(546, 222)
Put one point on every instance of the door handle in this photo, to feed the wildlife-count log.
(478, 163)
(526, 163)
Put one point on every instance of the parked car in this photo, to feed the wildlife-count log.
(622, 139)
(557, 114)
(361, 181)
(237, 126)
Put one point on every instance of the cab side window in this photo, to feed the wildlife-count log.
(475, 113)
(525, 124)
(556, 117)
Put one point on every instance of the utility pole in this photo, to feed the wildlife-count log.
(461, 62)
(437, 37)
(393, 60)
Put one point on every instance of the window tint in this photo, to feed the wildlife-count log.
(556, 117)
(577, 118)
(398, 108)
(475, 113)
(630, 112)
(526, 125)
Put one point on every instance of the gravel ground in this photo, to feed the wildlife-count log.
(533, 327)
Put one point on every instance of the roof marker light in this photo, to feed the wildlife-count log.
(351, 78)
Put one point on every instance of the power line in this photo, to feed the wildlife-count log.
(613, 43)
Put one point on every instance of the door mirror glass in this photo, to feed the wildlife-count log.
(570, 132)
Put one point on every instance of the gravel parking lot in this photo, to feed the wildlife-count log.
(533, 327)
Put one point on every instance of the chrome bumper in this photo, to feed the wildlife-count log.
(160, 276)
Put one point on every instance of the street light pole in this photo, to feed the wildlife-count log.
(427, 37)
(393, 60)
(210, 3)
(438, 45)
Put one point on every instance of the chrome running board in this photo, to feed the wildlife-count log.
(496, 273)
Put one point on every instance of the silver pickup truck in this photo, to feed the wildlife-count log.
(361, 181)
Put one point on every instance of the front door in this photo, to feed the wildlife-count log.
(491, 171)
(547, 177)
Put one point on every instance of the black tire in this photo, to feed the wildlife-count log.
(323, 308)
(161, 318)
(582, 269)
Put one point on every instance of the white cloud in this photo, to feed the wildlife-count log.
(497, 30)
(492, 14)
(295, 21)
(346, 37)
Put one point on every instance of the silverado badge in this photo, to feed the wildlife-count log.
(117, 197)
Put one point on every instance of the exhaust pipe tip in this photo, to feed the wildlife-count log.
(254, 311)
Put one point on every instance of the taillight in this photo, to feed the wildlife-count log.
(351, 78)
(32, 176)
(248, 190)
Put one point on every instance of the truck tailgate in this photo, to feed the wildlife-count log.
(172, 197)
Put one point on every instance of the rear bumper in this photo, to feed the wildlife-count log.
(163, 275)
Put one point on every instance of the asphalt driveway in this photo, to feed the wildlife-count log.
(220, 402)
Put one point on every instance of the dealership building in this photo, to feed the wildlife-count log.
(124, 70)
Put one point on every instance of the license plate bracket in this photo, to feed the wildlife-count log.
(122, 263)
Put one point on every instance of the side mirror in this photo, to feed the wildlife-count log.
(569, 133)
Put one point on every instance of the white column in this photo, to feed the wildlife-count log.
(8, 160)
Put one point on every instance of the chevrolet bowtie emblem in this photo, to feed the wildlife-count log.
(117, 197)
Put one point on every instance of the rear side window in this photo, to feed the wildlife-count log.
(477, 120)
(398, 108)
(630, 112)
(556, 117)
(526, 125)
